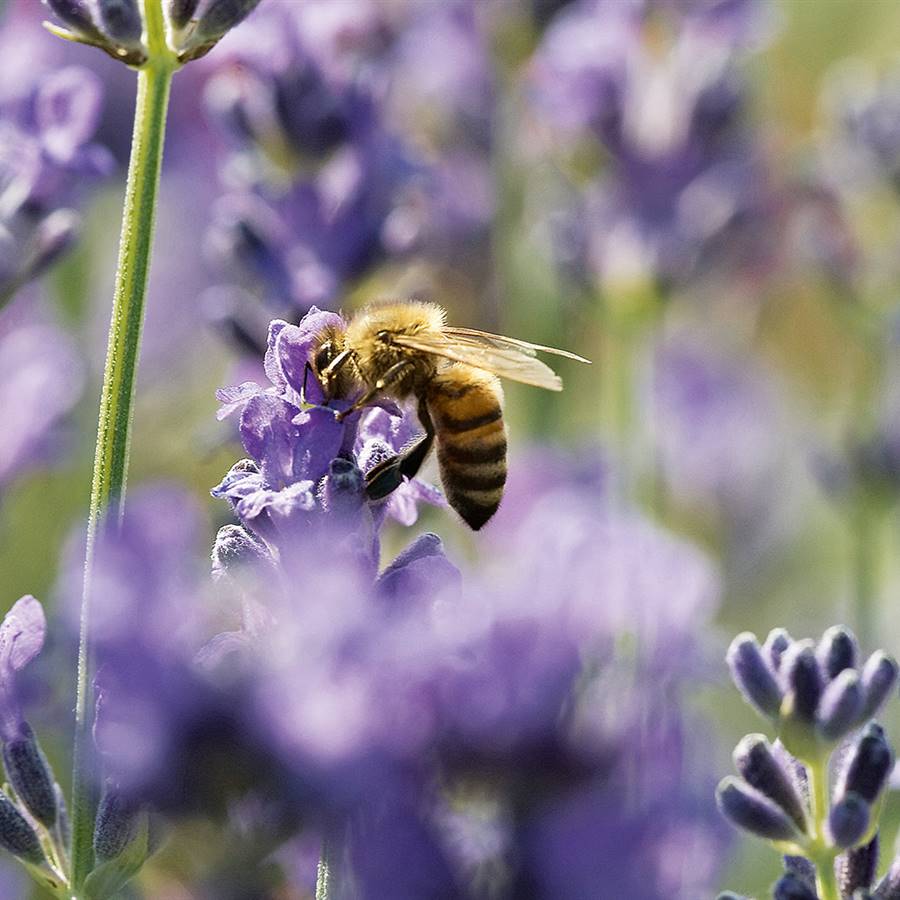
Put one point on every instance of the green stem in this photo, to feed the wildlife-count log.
(819, 852)
(117, 397)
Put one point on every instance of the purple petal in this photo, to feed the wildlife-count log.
(420, 571)
(22, 635)
(268, 436)
(319, 442)
(235, 398)
(293, 345)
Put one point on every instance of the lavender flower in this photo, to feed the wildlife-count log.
(116, 26)
(683, 173)
(819, 701)
(302, 459)
(46, 154)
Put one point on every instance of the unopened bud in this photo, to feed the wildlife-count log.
(869, 764)
(221, 16)
(751, 810)
(116, 824)
(857, 868)
(848, 820)
(752, 675)
(121, 20)
(803, 681)
(16, 835)
(879, 675)
(837, 651)
(236, 548)
(181, 12)
(776, 645)
(754, 760)
(344, 488)
(75, 14)
(790, 887)
(29, 774)
(841, 705)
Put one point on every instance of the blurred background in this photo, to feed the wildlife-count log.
(702, 196)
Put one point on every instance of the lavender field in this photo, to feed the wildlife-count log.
(449, 449)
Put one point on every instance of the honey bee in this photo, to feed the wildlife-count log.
(405, 349)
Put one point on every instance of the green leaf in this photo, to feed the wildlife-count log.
(112, 875)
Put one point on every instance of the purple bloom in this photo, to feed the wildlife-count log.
(683, 178)
(21, 639)
(46, 154)
(290, 478)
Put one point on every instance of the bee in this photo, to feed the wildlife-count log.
(404, 350)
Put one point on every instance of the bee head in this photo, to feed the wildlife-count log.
(328, 360)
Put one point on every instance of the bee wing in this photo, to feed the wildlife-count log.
(502, 342)
(479, 350)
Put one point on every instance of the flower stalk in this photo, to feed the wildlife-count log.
(117, 397)
(821, 854)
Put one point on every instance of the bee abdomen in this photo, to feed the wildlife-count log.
(471, 447)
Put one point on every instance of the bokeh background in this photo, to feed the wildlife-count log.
(702, 197)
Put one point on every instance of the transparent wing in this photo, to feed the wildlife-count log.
(502, 342)
(501, 356)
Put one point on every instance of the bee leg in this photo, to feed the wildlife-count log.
(389, 474)
(394, 373)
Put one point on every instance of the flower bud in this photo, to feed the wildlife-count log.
(16, 835)
(30, 776)
(776, 645)
(868, 766)
(791, 887)
(754, 760)
(841, 705)
(235, 548)
(731, 895)
(879, 675)
(837, 651)
(344, 487)
(121, 20)
(181, 12)
(848, 820)
(115, 825)
(751, 810)
(857, 868)
(221, 16)
(752, 675)
(803, 681)
(76, 15)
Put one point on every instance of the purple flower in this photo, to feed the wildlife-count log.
(683, 178)
(21, 639)
(46, 155)
(291, 477)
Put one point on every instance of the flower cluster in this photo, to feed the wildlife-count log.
(682, 177)
(46, 155)
(327, 175)
(117, 28)
(821, 700)
(304, 462)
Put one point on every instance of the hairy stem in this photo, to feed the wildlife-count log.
(117, 397)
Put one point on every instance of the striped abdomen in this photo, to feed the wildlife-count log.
(465, 407)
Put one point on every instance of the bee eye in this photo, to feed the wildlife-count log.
(324, 356)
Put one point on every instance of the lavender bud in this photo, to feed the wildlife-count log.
(344, 488)
(802, 868)
(74, 14)
(181, 12)
(879, 675)
(16, 835)
(751, 810)
(731, 895)
(776, 645)
(848, 820)
(889, 886)
(754, 760)
(752, 675)
(837, 651)
(121, 20)
(803, 681)
(235, 548)
(221, 16)
(857, 867)
(790, 887)
(115, 825)
(868, 767)
(30, 776)
(841, 705)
